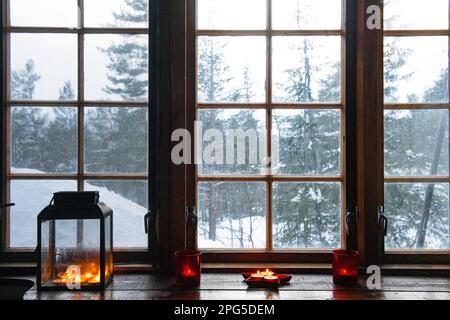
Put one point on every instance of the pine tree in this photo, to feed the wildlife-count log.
(26, 135)
(23, 82)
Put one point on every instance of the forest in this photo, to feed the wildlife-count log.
(233, 215)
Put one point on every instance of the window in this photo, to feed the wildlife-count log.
(77, 111)
(270, 86)
(416, 120)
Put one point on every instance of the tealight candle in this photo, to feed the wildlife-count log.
(187, 268)
(345, 267)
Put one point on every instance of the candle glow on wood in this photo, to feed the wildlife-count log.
(92, 276)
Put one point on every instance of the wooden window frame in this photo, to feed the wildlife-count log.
(346, 107)
(121, 255)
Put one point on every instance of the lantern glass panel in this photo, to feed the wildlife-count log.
(71, 252)
(108, 247)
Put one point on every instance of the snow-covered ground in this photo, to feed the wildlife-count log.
(32, 196)
(228, 235)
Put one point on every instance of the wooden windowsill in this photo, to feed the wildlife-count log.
(26, 269)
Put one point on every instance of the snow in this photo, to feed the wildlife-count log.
(32, 196)
(227, 234)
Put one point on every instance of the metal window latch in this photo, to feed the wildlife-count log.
(383, 219)
(349, 217)
(148, 218)
(7, 205)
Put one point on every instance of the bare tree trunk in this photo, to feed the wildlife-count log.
(212, 221)
(422, 231)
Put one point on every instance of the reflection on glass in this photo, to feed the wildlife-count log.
(415, 14)
(116, 13)
(232, 215)
(30, 197)
(231, 14)
(415, 69)
(306, 69)
(44, 140)
(418, 216)
(129, 201)
(231, 69)
(42, 65)
(306, 215)
(416, 142)
(116, 67)
(307, 14)
(308, 142)
(243, 134)
(44, 13)
(116, 140)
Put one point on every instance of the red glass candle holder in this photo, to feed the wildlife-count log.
(188, 268)
(345, 267)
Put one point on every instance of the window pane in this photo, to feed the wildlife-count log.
(129, 201)
(116, 140)
(233, 142)
(44, 13)
(232, 215)
(418, 216)
(42, 65)
(416, 142)
(44, 140)
(116, 13)
(415, 14)
(307, 142)
(116, 67)
(231, 69)
(416, 69)
(307, 215)
(307, 14)
(30, 197)
(306, 69)
(231, 14)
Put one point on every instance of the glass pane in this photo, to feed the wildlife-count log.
(415, 14)
(308, 142)
(232, 14)
(116, 67)
(307, 215)
(416, 142)
(116, 13)
(306, 69)
(43, 65)
(418, 216)
(129, 202)
(44, 140)
(44, 13)
(307, 14)
(232, 215)
(31, 197)
(231, 69)
(233, 142)
(116, 140)
(416, 69)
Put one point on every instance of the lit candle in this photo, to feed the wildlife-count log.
(187, 269)
(345, 267)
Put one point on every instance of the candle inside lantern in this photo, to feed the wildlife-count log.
(345, 267)
(188, 268)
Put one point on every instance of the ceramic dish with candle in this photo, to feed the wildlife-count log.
(267, 278)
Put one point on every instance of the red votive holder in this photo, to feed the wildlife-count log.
(188, 268)
(345, 267)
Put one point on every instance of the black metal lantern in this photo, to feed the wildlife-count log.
(75, 243)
